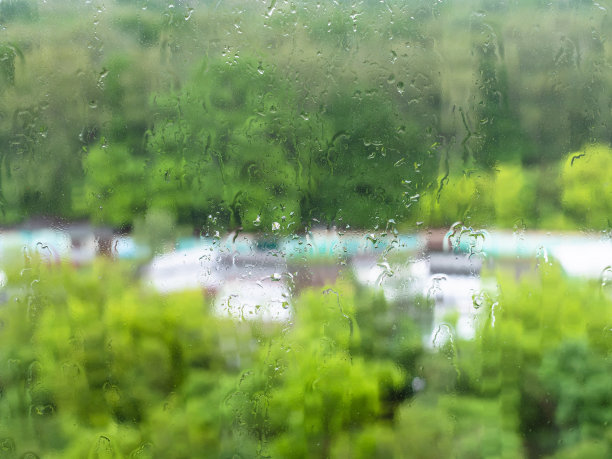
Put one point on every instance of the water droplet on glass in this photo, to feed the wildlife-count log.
(479, 299)
(7, 446)
(443, 340)
(606, 276)
(386, 272)
(542, 253)
(418, 384)
(493, 309)
(435, 286)
(103, 447)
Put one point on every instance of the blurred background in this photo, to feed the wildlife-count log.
(305, 229)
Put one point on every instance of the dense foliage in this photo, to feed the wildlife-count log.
(95, 365)
(271, 117)
(346, 114)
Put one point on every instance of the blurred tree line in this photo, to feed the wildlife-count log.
(274, 115)
(93, 364)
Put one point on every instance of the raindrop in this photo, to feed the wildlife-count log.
(42, 410)
(465, 239)
(606, 276)
(542, 253)
(418, 384)
(479, 299)
(493, 309)
(386, 272)
(103, 447)
(519, 228)
(7, 445)
(444, 341)
(435, 286)
(144, 450)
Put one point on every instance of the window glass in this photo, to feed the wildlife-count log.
(305, 229)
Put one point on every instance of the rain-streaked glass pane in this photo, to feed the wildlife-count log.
(273, 228)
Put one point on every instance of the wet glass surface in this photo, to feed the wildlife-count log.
(305, 229)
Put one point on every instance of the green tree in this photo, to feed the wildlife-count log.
(587, 187)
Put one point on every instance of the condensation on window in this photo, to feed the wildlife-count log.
(305, 229)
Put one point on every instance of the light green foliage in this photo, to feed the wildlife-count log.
(378, 440)
(467, 198)
(587, 186)
(418, 431)
(90, 362)
(452, 426)
(533, 382)
(460, 426)
(505, 197)
(514, 196)
(319, 386)
(528, 361)
(270, 117)
(94, 366)
(109, 194)
(91, 366)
